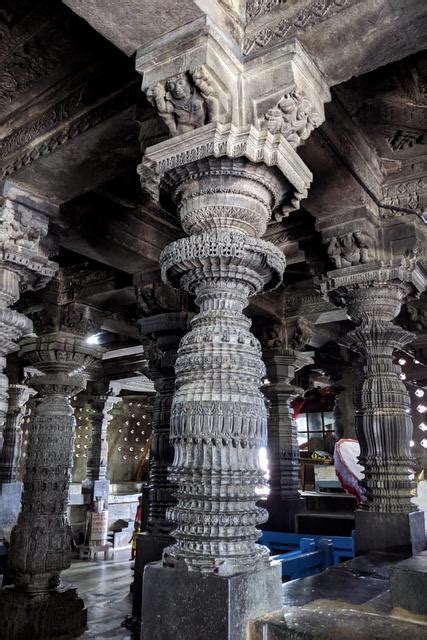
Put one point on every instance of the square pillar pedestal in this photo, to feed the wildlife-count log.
(149, 549)
(395, 532)
(180, 605)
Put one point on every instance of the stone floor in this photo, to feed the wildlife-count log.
(104, 587)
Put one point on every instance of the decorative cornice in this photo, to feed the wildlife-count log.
(41, 139)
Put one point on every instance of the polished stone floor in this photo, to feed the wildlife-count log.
(104, 587)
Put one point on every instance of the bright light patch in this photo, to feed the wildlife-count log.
(421, 408)
(94, 339)
(419, 393)
(402, 361)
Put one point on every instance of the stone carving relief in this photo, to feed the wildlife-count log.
(401, 140)
(352, 248)
(186, 101)
(20, 227)
(405, 194)
(294, 117)
(302, 335)
(256, 8)
(307, 17)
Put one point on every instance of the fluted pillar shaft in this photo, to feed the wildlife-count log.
(382, 406)
(10, 455)
(284, 500)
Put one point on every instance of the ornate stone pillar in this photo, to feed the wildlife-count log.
(161, 335)
(373, 298)
(23, 265)
(101, 399)
(230, 164)
(284, 500)
(11, 453)
(38, 605)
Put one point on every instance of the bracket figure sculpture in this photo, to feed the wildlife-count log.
(351, 249)
(186, 101)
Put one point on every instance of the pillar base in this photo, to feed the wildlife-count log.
(58, 614)
(149, 548)
(398, 532)
(282, 514)
(179, 604)
(10, 506)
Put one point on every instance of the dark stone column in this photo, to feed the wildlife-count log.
(161, 336)
(388, 518)
(101, 400)
(38, 606)
(284, 500)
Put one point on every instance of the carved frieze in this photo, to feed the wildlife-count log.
(305, 18)
(410, 194)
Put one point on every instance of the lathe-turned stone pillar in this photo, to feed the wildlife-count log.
(373, 298)
(10, 455)
(231, 164)
(23, 265)
(161, 335)
(38, 605)
(284, 500)
(101, 399)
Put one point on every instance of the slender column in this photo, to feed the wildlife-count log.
(161, 335)
(284, 500)
(383, 421)
(101, 400)
(10, 455)
(40, 548)
(166, 331)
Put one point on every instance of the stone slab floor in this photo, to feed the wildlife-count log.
(104, 587)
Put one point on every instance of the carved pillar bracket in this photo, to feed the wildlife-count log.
(373, 298)
(12, 437)
(40, 548)
(23, 265)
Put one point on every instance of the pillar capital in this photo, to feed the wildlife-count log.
(216, 103)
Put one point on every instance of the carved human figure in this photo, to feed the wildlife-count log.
(334, 252)
(184, 104)
(365, 243)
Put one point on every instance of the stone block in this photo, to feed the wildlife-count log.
(58, 614)
(395, 532)
(149, 548)
(179, 604)
(408, 584)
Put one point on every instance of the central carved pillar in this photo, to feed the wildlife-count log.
(219, 420)
(229, 167)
